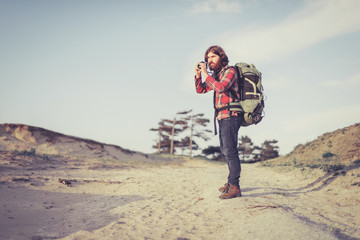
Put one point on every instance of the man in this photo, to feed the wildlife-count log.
(224, 83)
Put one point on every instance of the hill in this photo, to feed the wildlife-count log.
(338, 148)
(22, 137)
(343, 144)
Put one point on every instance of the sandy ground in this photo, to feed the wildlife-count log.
(175, 202)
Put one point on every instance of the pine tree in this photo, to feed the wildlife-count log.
(245, 148)
(215, 153)
(168, 130)
(197, 124)
(269, 150)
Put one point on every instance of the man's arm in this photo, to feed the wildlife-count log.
(225, 83)
(201, 87)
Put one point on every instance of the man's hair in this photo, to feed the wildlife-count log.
(218, 51)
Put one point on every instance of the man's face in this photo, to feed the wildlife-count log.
(214, 61)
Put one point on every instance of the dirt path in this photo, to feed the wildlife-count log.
(178, 202)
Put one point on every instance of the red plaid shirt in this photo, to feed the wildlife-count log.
(225, 87)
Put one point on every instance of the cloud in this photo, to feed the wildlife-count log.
(211, 6)
(352, 81)
(316, 22)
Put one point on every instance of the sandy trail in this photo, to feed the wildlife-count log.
(174, 202)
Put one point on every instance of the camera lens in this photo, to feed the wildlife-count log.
(198, 66)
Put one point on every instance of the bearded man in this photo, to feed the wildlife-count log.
(223, 81)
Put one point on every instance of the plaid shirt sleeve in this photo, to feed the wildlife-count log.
(201, 87)
(226, 80)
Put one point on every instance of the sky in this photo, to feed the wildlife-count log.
(111, 70)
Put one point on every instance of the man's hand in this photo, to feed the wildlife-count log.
(202, 70)
(197, 71)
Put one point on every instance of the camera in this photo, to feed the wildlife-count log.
(198, 66)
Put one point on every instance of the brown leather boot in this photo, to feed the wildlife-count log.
(225, 187)
(231, 192)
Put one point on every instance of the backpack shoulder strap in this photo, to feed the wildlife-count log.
(239, 77)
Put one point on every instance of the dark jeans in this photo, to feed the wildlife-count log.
(228, 134)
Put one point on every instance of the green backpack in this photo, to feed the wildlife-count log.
(251, 101)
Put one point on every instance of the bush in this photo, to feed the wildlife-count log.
(30, 153)
(333, 168)
(328, 155)
(356, 184)
(356, 162)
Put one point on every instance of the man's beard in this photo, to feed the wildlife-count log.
(215, 67)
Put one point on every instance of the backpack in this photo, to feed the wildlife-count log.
(251, 101)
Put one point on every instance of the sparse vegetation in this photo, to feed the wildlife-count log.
(328, 155)
(357, 161)
(357, 184)
(333, 168)
(30, 153)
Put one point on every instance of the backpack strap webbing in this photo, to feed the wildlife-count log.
(215, 115)
(214, 101)
(233, 107)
